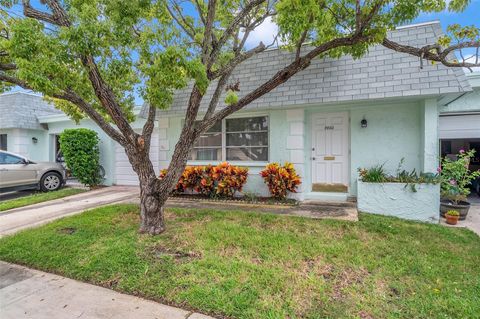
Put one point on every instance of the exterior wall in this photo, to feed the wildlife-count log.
(397, 199)
(20, 141)
(106, 144)
(394, 131)
(470, 102)
(285, 144)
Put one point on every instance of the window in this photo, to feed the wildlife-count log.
(209, 145)
(3, 142)
(238, 139)
(247, 139)
(9, 159)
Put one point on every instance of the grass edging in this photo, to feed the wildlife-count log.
(38, 197)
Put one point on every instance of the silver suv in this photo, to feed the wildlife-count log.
(17, 172)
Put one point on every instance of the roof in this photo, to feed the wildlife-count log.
(21, 110)
(382, 73)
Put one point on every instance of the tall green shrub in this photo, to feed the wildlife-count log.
(82, 155)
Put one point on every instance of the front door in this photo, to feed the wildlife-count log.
(330, 160)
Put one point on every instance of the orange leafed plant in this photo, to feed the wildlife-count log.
(281, 179)
(230, 179)
(222, 180)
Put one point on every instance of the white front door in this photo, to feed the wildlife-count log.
(330, 159)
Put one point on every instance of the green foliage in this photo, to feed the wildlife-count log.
(231, 97)
(38, 198)
(452, 213)
(242, 264)
(378, 174)
(82, 155)
(456, 176)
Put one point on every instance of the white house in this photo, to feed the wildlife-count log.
(330, 119)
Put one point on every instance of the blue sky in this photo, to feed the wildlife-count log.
(471, 16)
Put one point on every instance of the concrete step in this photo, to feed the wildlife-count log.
(316, 204)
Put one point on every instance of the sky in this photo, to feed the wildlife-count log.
(471, 16)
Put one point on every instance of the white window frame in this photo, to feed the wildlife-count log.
(224, 144)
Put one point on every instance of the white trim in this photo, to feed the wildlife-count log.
(224, 146)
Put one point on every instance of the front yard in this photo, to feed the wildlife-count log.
(38, 197)
(248, 265)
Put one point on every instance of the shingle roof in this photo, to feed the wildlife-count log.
(20, 110)
(382, 73)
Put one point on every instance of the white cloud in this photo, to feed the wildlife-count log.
(265, 33)
(473, 59)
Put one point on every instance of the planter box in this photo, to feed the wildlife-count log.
(394, 199)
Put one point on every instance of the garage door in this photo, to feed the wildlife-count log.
(459, 126)
(123, 170)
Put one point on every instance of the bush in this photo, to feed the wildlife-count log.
(82, 155)
(229, 179)
(457, 177)
(280, 179)
(221, 180)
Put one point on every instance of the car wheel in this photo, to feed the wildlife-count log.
(51, 181)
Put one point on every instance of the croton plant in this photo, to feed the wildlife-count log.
(281, 179)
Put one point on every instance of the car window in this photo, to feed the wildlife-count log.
(9, 159)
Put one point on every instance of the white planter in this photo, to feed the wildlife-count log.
(394, 199)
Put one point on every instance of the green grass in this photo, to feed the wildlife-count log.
(248, 265)
(38, 198)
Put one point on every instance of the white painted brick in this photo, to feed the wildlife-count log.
(297, 156)
(295, 142)
(295, 115)
(164, 145)
(163, 122)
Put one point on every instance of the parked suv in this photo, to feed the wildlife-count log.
(17, 172)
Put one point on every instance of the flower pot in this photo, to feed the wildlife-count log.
(451, 220)
(462, 207)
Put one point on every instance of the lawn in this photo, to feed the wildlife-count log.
(248, 265)
(38, 198)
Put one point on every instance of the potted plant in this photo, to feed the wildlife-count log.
(452, 217)
(456, 178)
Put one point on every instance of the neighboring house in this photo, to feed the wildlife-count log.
(330, 119)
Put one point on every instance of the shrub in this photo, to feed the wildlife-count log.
(222, 180)
(280, 179)
(456, 176)
(229, 179)
(82, 155)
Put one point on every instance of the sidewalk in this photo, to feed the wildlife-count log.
(27, 293)
(17, 219)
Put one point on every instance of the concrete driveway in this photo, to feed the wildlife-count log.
(17, 219)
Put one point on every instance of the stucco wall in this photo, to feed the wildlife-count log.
(470, 102)
(280, 131)
(20, 141)
(392, 133)
(106, 144)
(397, 199)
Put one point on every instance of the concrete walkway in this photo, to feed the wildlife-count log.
(17, 219)
(27, 293)
(472, 221)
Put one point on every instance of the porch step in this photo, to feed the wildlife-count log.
(316, 204)
(326, 197)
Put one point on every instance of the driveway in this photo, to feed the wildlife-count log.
(34, 215)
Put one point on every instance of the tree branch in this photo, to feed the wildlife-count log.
(279, 78)
(434, 52)
(75, 99)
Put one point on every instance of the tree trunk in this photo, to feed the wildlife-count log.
(151, 210)
(154, 192)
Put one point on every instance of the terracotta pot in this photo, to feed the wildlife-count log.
(462, 207)
(451, 220)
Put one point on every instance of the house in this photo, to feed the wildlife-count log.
(330, 119)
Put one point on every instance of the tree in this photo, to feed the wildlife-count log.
(92, 57)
